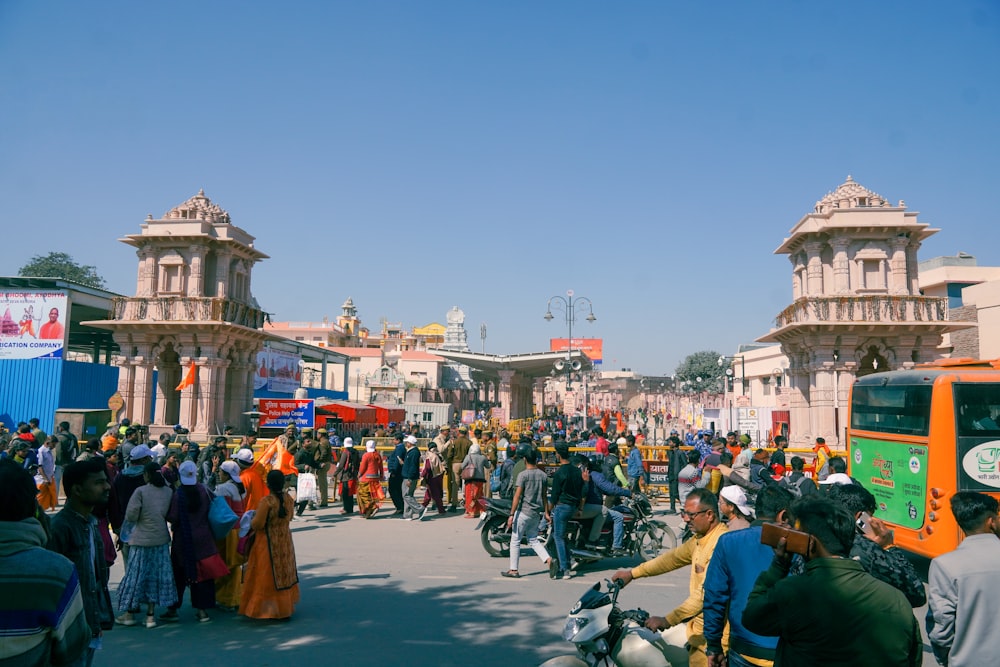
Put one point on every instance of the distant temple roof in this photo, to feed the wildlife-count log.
(198, 207)
(851, 194)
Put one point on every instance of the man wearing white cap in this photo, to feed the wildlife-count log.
(735, 509)
(412, 509)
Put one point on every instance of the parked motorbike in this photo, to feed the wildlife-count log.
(604, 634)
(643, 536)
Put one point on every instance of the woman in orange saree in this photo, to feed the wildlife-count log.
(270, 580)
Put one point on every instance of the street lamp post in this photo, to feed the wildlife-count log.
(730, 380)
(569, 304)
(482, 335)
(254, 416)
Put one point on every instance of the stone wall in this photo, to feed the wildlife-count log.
(965, 343)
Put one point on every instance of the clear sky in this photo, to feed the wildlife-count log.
(421, 155)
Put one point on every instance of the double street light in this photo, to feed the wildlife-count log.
(568, 304)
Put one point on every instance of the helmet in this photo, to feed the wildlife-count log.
(522, 450)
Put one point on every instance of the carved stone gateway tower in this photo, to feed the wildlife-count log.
(192, 305)
(856, 307)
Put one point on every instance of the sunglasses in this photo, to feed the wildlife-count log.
(691, 515)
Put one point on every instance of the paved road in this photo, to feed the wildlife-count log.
(390, 592)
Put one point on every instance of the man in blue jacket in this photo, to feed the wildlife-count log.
(738, 559)
(599, 486)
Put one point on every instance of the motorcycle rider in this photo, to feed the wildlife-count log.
(701, 510)
(599, 482)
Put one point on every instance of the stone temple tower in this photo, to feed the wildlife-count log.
(192, 305)
(856, 308)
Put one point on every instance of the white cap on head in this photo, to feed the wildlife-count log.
(738, 497)
(188, 472)
(231, 468)
(348, 442)
(838, 478)
(243, 455)
(411, 439)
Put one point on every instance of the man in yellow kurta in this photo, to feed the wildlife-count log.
(701, 511)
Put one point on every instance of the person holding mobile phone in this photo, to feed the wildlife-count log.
(835, 613)
(873, 546)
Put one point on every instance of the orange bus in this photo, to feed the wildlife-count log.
(916, 437)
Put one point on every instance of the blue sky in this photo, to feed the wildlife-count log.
(421, 155)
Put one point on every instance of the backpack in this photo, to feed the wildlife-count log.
(507, 478)
(795, 488)
(608, 468)
(353, 463)
(67, 449)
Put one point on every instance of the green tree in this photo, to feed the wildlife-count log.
(701, 371)
(61, 265)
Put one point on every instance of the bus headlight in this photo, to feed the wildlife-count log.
(933, 516)
(937, 493)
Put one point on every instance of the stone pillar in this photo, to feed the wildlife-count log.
(188, 415)
(841, 266)
(797, 268)
(505, 394)
(814, 268)
(912, 277)
(898, 280)
(222, 274)
(126, 381)
(196, 281)
(142, 387)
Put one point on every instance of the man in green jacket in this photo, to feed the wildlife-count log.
(835, 613)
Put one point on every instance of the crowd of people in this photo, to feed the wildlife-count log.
(183, 518)
(846, 598)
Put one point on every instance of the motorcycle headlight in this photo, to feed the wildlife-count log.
(573, 627)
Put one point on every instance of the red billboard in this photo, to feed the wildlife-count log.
(592, 347)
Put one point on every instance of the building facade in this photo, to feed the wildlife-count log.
(856, 305)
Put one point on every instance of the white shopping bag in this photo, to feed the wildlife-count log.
(306, 489)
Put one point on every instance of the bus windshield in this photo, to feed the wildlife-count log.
(898, 409)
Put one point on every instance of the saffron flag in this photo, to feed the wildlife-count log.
(188, 379)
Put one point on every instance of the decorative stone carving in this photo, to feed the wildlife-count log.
(852, 195)
(198, 207)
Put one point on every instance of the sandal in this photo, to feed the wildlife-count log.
(511, 574)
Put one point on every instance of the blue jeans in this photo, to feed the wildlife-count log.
(561, 515)
(619, 528)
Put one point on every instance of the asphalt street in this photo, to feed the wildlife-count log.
(392, 592)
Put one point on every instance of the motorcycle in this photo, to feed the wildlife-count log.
(604, 634)
(643, 536)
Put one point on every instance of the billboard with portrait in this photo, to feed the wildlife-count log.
(277, 371)
(33, 324)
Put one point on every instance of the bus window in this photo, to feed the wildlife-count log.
(977, 409)
(899, 409)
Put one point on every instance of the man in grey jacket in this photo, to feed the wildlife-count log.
(964, 586)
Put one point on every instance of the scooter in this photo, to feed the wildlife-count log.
(604, 634)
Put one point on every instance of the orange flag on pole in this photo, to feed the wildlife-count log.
(188, 379)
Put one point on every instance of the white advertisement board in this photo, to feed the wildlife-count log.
(32, 324)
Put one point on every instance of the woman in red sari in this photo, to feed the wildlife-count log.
(370, 474)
